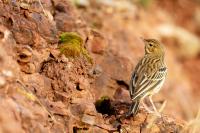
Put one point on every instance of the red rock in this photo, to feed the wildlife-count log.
(98, 43)
(122, 94)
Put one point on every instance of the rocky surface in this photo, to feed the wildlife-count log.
(41, 90)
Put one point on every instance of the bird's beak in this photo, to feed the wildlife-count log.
(144, 40)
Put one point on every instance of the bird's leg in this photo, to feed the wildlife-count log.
(154, 107)
(146, 107)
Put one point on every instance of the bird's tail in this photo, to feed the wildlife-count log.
(133, 109)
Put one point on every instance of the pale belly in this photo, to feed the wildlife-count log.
(157, 89)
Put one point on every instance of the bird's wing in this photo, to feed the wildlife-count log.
(133, 81)
(146, 82)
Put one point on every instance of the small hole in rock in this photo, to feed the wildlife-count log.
(122, 83)
(1, 35)
(51, 55)
(104, 106)
(22, 56)
(9, 22)
(78, 87)
(35, 91)
(78, 129)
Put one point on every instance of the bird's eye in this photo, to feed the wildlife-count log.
(150, 44)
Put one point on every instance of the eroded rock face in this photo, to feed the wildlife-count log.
(45, 91)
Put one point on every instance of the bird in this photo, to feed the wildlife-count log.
(148, 76)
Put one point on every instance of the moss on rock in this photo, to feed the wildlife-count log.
(71, 46)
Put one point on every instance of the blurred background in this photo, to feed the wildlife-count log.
(117, 26)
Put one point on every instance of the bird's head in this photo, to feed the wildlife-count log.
(153, 47)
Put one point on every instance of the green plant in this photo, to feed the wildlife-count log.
(71, 46)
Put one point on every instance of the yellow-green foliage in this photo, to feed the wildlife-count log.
(145, 3)
(103, 98)
(71, 46)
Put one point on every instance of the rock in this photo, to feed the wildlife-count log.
(83, 83)
(88, 119)
(64, 16)
(95, 71)
(46, 28)
(119, 5)
(1, 35)
(23, 35)
(28, 68)
(114, 68)
(9, 112)
(81, 3)
(122, 95)
(185, 41)
(24, 54)
(7, 73)
(118, 68)
(64, 22)
(2, 81)
(98, 43)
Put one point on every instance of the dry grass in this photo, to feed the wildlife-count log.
(193, 126)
